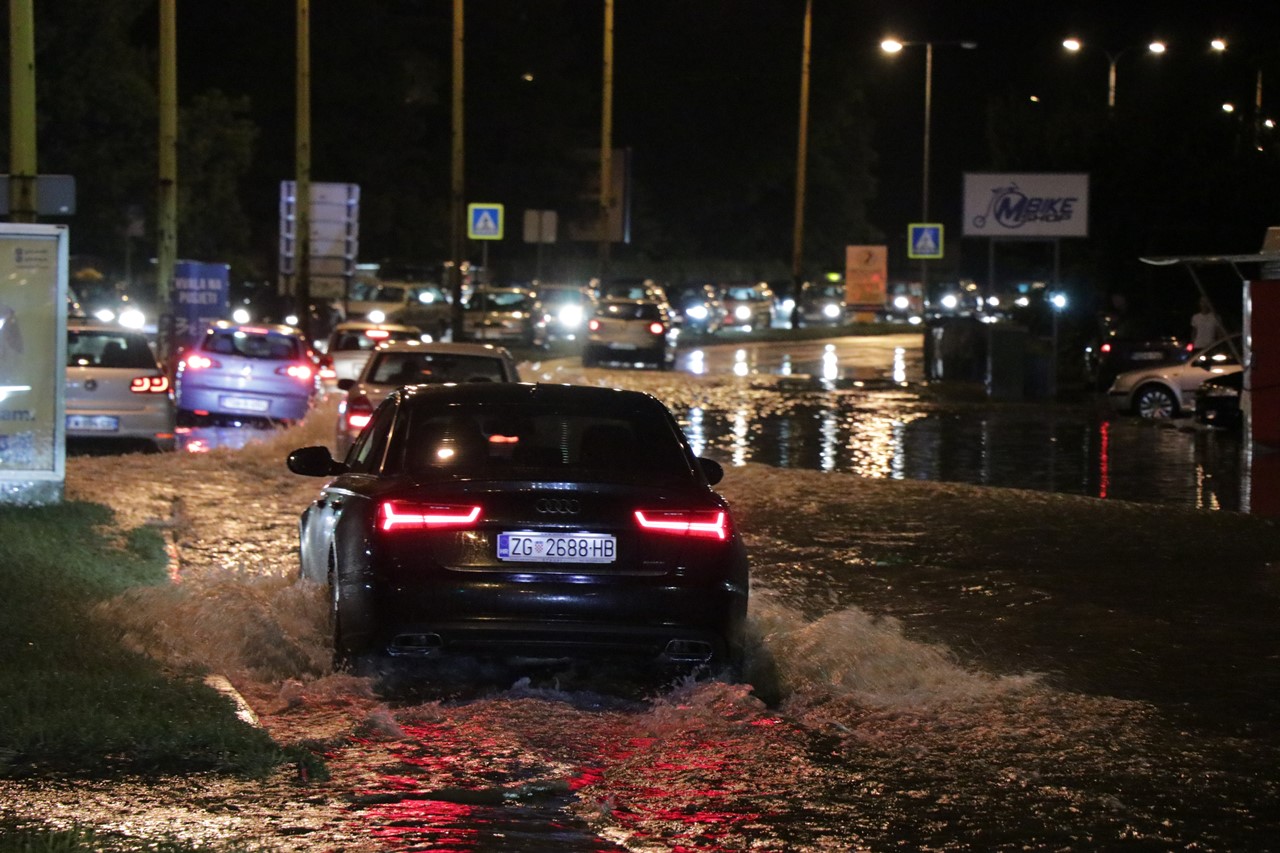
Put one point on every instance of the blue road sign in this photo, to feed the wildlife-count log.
(484, 221)
(924, 240)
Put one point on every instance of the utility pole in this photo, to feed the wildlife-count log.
(302, 169)
(22, 111)
(167, 207)
(802, 154)
(606, 143)
(456, 185)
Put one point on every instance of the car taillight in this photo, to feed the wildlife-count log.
(708, 524)
(593, 324)
(1105, 348)
(406, 515)
(326, 368)
(196, 361)
(359, 413)
(657, 328)
(149, 384)
(301, 372)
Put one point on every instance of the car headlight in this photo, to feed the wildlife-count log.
(742, 312)
(132, 318)
(831, 311)
(106, 315)
(902, 303)
(571, 316)
(376, 316)
(697, 312)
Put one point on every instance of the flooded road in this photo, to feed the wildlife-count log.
(935, 664)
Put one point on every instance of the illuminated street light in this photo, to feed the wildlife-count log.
(1228, 108)
(1218, 45)
(1075, 45)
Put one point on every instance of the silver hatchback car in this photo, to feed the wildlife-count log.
(116, 388)
(631, 331)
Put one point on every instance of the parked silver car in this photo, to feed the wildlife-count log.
(394, 365)
(116, 388)
(1169, 390)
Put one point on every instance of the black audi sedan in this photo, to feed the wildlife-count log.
(525, 521)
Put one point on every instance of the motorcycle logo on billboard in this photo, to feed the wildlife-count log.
(1027, 205)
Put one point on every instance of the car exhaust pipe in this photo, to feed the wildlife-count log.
(688, 651)
(415, 645)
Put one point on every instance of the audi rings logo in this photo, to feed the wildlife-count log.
(558, 506)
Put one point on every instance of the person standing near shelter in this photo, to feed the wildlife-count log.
(1205, 327)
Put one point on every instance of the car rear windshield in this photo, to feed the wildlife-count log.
(252, 344)
(633, 311)
(417, 368)
(361, 340)
(538, 443)
(108, 349)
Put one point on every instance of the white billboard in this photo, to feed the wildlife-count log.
(1034, 204)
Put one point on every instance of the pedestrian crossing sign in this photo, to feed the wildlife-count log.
(484, 221)
(924, 240)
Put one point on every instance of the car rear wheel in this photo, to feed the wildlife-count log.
(1155, 402)
(589, 357)
(345, 653)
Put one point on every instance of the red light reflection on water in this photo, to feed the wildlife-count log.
(1104, 458)
(690, 781)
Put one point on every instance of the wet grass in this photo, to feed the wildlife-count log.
(74, 699)
(14, 839)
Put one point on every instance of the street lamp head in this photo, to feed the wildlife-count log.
(1157, 47)
(1218, 44)
(1072, 44)
(1228, 108)
(891, 46)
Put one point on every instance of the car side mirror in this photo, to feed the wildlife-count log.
(314, 462)
(711, 469)
(346, 384)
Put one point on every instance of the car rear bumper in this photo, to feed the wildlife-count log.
(221, 401)
(641, 617)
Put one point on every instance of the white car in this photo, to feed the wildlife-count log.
(1169, 390)
(420, 304)
(394, 365)
(116, 388)
(351, 342)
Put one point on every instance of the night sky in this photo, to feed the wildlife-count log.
(703, 88)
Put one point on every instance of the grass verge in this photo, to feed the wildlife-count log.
(73, 699)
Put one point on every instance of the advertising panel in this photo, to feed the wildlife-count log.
(33, 346)
(866, 271)
(1026, 205)
(201, 294)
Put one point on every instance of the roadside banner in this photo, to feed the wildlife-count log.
(33, 352)
(201, 294)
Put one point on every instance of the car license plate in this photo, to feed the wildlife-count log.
(557, 547)
(246, 404)
(622, 345)
(93, 423)
(1147, 356)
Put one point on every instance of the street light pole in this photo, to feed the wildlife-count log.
(890, 45)
(924, 168)
(1075, 45)
(802, 149)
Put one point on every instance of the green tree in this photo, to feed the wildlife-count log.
(215, 151)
